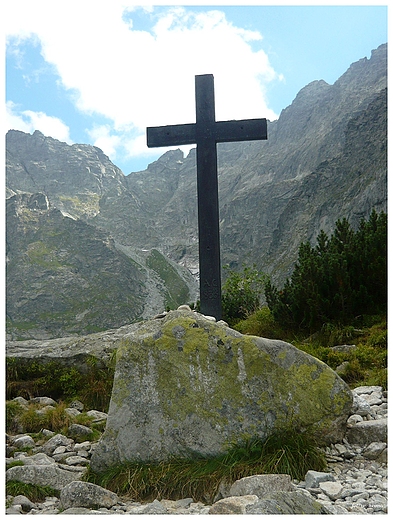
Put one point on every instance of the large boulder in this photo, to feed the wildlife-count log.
(185, 385)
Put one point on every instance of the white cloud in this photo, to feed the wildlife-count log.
(29, 121)
(139, 78)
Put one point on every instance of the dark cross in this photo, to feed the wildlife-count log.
(205, 133)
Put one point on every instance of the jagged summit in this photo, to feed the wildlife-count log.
(325, 159)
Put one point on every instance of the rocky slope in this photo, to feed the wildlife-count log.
(65, 276)
(90, 247)
(355, 481)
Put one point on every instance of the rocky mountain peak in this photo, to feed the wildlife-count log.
(325, 159)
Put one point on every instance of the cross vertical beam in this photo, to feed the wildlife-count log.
(207, 189)
(206, 133)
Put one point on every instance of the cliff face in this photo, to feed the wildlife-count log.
(84, 242)
(325, 159)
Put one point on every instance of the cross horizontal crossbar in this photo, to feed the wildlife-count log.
(219, 131)
(206, 133)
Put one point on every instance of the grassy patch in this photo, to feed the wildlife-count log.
(177, 291)
(34, 418)
(288, 452)
(58, 381)
(33, 492)
(14, 463)
(262, 324)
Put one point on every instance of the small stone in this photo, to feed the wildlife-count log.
(85, 494)
(368, 431)
(155, 508)
(54, 442)
(76, 460)
(97, 415)
(331, 489)
(260, 485)
(48, 401)
(77, 405)
(82, 453)
(360, 405)
(22, 401)
(24, 502)
(367, 389)
(47, 433)
(86, 445)
(314, 478)
(184, 308)
(353, 419)
(374, 449)
(24, 442)
(79, 430)
(45, 410)
(233, 505)
(59, 449)
(72, 412)
(38, 459)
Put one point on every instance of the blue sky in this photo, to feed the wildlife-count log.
(100, 72)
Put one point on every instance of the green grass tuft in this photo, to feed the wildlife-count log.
(33, 492)
(288, 452)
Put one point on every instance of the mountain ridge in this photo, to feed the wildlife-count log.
(325, 159)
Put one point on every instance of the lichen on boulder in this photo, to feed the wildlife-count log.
(185, 385)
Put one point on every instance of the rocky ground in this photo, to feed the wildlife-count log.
(355, 481)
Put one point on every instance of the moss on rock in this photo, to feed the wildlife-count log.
(185, 385)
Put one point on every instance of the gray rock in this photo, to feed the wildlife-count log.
(366, 432)
(55, 441)
(355, 418)
(22, 401)
(78, 511)
(78, 405)
(76, 460)
(374, 450)
(14, 510)
(72, 412)
(85, 494)
(86, 445)
(47, 433)
(360, 406)
(209, 388)
(367, 390)
(38, 459)
(24, 442)
(24, 502)
(43, 475)
(233, 505)
(314, 478)
(155, 508)
(97, 415)
(76, 431)
(261, 485)
(46, 401)
(45, 410)
(283, 503)
(332, 489)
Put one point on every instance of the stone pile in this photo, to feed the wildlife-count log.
(355, 481)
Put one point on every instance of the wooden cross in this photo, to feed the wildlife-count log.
(206, 133)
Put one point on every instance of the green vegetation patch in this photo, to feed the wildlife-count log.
(58, 381)
(285, 452)
(33, 492)
(39, 253)
(177, 292)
